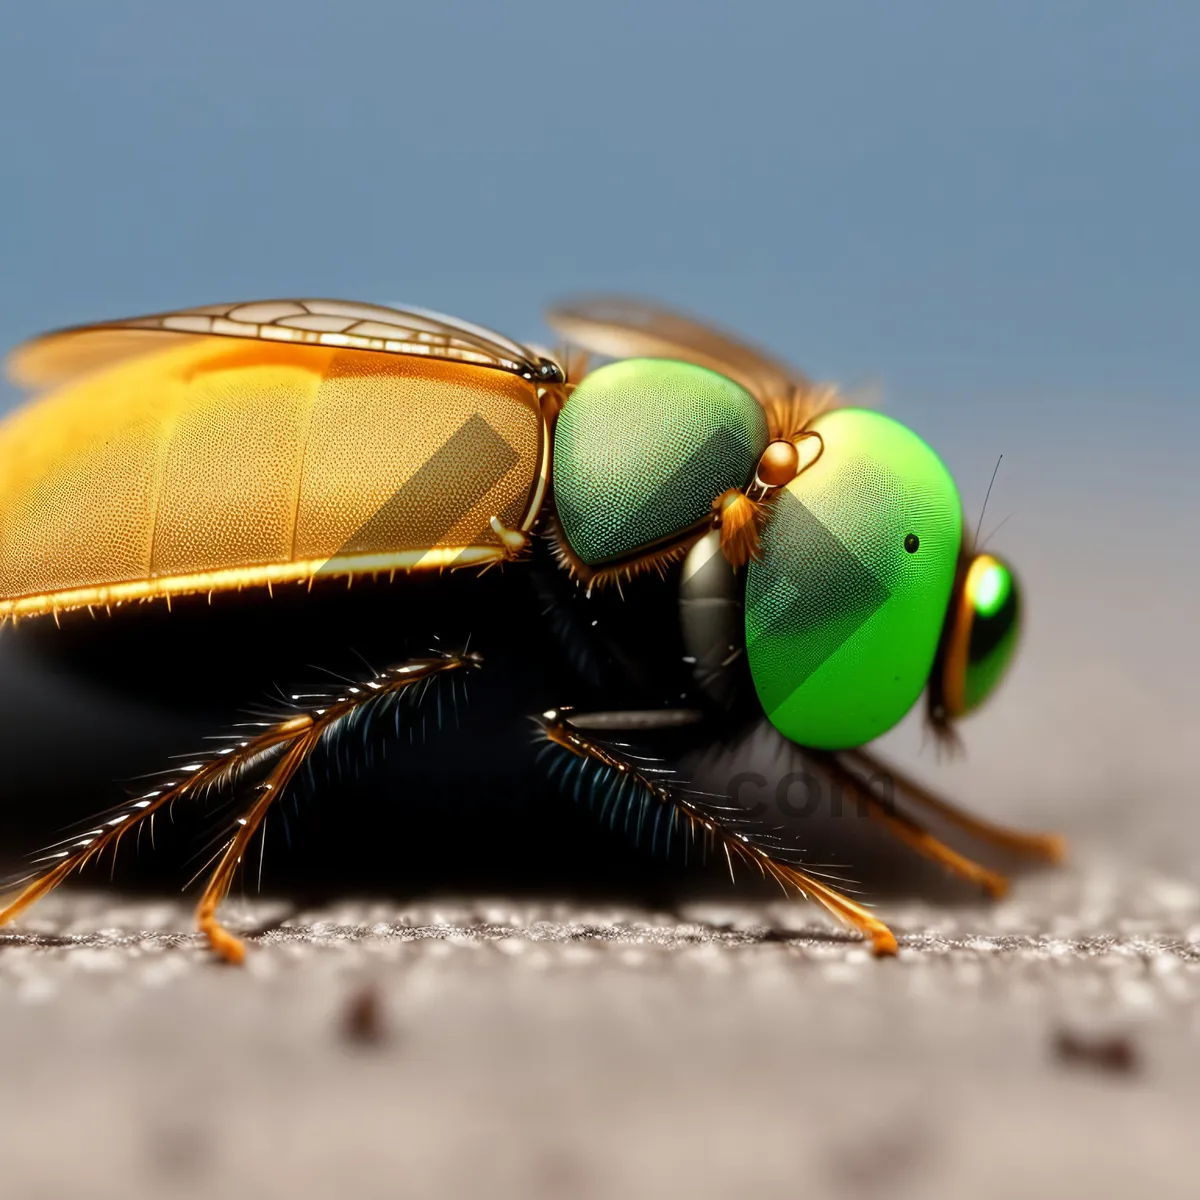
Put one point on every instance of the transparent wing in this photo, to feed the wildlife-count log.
(622, 327)
(57, 357)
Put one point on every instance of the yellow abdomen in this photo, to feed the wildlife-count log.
(217, 463)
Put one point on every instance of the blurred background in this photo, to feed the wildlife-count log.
(984, 217)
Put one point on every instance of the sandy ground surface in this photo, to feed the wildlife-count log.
(1043, 1046)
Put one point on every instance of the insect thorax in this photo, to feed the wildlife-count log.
(641, 450)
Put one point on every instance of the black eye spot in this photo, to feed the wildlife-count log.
(911, 543)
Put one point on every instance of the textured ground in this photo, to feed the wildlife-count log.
(1045, 1046)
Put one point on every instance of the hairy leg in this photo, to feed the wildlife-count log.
(633, 786)
(285, 745)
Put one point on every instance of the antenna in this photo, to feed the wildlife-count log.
(979, 548)
(985, 500)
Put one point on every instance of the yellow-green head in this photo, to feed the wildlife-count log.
(857, 573)
(861, 594)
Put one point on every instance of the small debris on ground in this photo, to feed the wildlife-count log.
(1114, 1054)
(363, 1022)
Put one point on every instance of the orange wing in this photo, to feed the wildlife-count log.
(59, 357)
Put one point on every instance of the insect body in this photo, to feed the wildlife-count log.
(815, 554)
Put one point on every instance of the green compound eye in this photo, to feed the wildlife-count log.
(987, 623)
(846, 602)
(643, 447)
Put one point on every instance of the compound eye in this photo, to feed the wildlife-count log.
(987, 628)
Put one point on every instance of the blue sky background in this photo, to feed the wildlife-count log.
(988, 212)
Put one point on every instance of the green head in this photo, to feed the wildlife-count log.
(846, 603)
(860, 596)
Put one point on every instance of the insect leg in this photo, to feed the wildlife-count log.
(229, 947)
(1049, 847)
(910, 831)
(717, 826)
(285, 744)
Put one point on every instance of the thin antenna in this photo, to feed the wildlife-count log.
(985, 500)
(995, 531)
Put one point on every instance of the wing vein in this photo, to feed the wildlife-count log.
(170, 427)
(308, 424)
